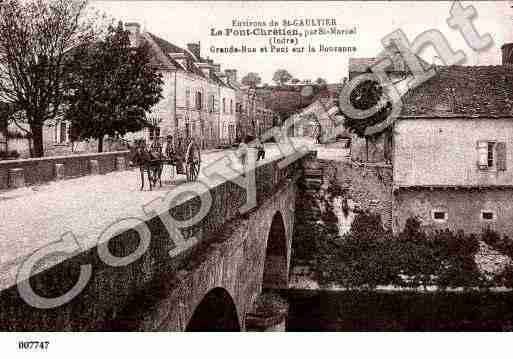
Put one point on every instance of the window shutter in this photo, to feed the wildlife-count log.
(501, 156)
(482, 153)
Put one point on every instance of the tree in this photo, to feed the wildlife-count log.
(252, 80)
(321, 82)
(281, 77)
(111, 87)
(364, 96)
(35, 37)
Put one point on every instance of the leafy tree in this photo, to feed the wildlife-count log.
(252, 79)
(364, 96)
(111, 87)
(321, 82)
(281, 77)
(35, 37)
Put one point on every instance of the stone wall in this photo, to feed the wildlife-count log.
(376, 150)
(40, 170)
(370, 187)
(463, 207)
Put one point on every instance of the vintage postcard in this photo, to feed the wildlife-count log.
(255, 166)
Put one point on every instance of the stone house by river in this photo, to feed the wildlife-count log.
(453, 151)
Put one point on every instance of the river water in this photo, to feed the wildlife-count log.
(321, 310)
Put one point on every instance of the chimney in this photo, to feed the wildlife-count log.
(231, 74)
(507, 53)
(195, 48)
(135, 30)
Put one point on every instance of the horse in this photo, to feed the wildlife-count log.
(149, 163)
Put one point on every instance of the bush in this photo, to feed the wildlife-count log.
(506, 277)
(493, 239)
(369, 255)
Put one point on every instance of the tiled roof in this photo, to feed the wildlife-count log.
(166, 47)
(363, 64)
(468, 91)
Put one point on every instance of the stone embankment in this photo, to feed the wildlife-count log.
(333, 191)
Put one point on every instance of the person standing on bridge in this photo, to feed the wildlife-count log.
(243, 149)
(169, 148)
(260, 149)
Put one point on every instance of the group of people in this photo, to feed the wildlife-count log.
(251, 142)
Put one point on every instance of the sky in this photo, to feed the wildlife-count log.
(192, 21)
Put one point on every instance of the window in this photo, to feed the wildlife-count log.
(487, 215)
(199, 101)
(231, 107)
(224, 105)
(187, 98)
(212, 103)
(491, 155)
(491, 146)
(439, 215)
(63, 132)
(154, 132)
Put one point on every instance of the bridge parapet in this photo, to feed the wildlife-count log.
(114, 290)
(44, 169)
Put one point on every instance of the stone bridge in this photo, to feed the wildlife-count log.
(207, 280)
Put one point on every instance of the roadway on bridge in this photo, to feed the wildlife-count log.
(32, 217)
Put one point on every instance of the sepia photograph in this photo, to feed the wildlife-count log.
(338, 167)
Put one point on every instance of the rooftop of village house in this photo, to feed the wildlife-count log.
(453, 92)
(463, 91)
(164, 51)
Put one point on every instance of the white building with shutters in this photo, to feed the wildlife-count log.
(453, 151)
(192, 93)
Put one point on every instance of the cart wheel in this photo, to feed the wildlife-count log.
(192, 161)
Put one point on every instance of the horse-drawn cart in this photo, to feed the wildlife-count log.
(182, 158)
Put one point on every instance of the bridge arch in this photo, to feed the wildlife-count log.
(276, 256)
(216, 312)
